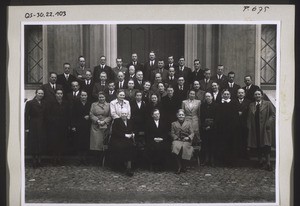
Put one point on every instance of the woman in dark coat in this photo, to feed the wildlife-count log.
(157, 142)
(226, 125)
(35, 125)
(208, 118)
(261, 118)
(58, 122)
(81, 125)
(122, 142)
(138, 116)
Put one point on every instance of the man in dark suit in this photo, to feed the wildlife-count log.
(181, 90)
(121, 83)
(87, 85)
(100, 86)
(231, 86)
(199, 94)
(198, 73)
(164, 73)
(103, 68)
(157, 142)
(139, 81)
(134, 61)
(110, 93)
(216, 94)
(65, 79)
(170, 105)
(205, 84)
(171, 79)
(79, 72)
(249, 88)
(242, 105)
(170, 63)
(74, 94)
(149, 66)
(50, 88)
(130, 74)
(220, 77)
(119, 68)
(184, 71)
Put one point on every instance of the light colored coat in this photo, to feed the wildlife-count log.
(98, 134)
(266, 120)
(192, 113)
(177, 144)
(116, 108)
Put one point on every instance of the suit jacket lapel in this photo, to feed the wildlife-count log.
(263, 105)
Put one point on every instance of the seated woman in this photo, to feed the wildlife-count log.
(122, 144)
(182, 134)
(120, 104)
(157, 144)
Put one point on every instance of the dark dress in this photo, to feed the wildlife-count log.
(57, 121)
(226, 126)
(209, 117)
(82, 134)
(121, 148)
(157, 151)
(35, 122)
(138, 117)
(170, 107)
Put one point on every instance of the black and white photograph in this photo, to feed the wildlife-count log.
(151, 112)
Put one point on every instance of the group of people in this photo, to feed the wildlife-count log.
(161, 108)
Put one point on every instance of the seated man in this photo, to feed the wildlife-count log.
(157, 141)
(182, 135)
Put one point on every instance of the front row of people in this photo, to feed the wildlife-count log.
(92, 124)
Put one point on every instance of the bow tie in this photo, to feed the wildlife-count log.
(225, 100)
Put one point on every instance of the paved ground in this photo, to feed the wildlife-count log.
(73, 183)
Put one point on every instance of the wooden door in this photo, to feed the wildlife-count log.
(164, 40)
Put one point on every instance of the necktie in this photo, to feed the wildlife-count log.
(67, 77)
(140, 82)
(181, 87)
(151, 63)
(53, 87)
(120, 86)
(111, 92)
(74, 95)
(134, 63)
(219, 77)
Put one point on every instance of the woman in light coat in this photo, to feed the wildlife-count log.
(182, 134)
(100, 117)
(191, 108)
(260, 120)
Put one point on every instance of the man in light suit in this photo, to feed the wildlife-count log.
(102, 67)
(79, 72)
(50, 88)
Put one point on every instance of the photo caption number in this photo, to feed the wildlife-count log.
(256, 9)
(45, 14)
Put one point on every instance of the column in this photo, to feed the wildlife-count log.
(190, 44)
(258, 55)
(45, 54)
(110, 44)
